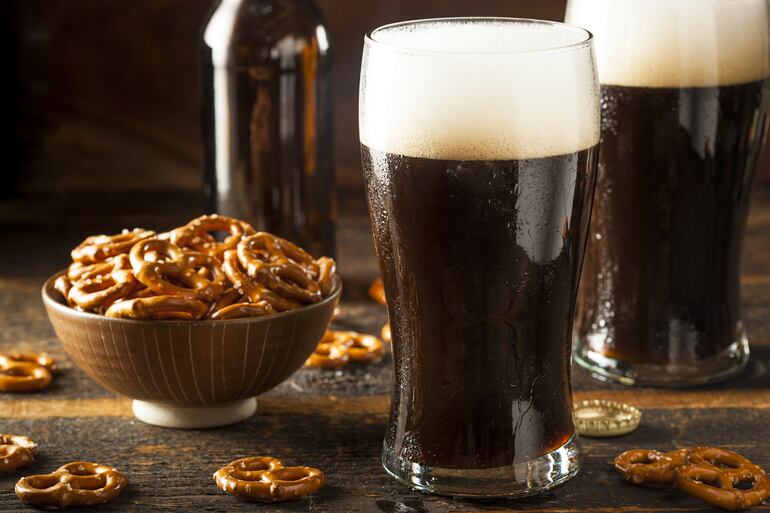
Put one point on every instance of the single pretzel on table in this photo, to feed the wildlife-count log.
(720, 488)
(23, 376)
(337, 348)
(266, 479)
(649, 467)
(16, 451)
(42, 359)
(75, 484)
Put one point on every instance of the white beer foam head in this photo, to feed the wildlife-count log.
(676, 43)
(479, 90)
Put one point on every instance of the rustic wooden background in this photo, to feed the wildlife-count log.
(103, 94)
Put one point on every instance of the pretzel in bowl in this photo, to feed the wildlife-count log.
(196, 234)
(16, 451)
(187, 274)
(106, 283)
(75, 484)
(266, 479)
(101, 247)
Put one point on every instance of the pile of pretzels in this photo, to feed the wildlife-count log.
(188, 274)
(718, 476)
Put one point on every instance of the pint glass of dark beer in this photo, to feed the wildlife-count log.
(479, 146)
(684, 111)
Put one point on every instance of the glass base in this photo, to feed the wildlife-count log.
(724, 365)
(519, 480)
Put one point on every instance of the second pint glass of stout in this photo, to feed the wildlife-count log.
(479, 146)
(684, 112)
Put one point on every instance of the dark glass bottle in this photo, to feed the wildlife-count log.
(267, 119)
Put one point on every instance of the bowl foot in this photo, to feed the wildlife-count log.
(194, 417)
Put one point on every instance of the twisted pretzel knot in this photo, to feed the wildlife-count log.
(196, 234)
(642, 466)
(16, 451)
(23, 375)
(101, 247)
(265, 479)
(187, 274)
(103, 284)
(337, 348)
(74, 484)
(719, 488)
(707, 473)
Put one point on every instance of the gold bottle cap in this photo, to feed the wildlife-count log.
(600, 418)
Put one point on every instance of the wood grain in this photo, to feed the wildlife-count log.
(333, 420)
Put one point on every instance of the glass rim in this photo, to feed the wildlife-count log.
(370, 37)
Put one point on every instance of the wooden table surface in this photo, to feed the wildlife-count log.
(326, 419)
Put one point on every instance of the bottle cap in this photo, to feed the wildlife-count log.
(600, 418)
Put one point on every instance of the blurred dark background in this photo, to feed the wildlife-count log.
(100, 102)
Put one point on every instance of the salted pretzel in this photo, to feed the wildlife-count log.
(196, 234)
(329, 355)
(337, 348)
(648, 467)
(16, 451)
(718, 487)
(364, 348)
(243, 310)
(178, 279)
(23, 376)
(729, 462)
(42, 359)
(281, 267)
(188, 274)
(158, 308)
(104, 285)
(101, 247)
(262, 247)
(255, 291)
(74, 484)
(265, 479)
(377, 291)
(153, 250)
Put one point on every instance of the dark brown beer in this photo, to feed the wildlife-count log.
(481, 261)
(266, 116)
(676, 167)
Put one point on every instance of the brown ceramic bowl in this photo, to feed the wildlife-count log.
(190, 374)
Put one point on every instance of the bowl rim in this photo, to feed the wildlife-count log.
(57, 305)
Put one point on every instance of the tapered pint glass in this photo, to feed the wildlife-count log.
(479, 142)
(684, 112)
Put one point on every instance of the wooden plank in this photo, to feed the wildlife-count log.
(172, 469)
(378, 405)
